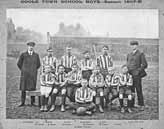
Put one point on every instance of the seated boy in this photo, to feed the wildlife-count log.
(73, 82)
(112, 85)
(60, 87)
(83, 100)
(126, 83)
(109, 95)
(96, 83)
(47, 80)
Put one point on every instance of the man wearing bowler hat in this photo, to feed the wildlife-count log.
(28, 64)
(137, 64)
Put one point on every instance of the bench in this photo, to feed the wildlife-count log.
(35, 93)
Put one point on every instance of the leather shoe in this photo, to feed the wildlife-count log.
(21, 105)
(52, 108)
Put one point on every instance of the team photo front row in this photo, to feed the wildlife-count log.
(85, 96)
(88, 87)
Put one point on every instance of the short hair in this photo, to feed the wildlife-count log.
(84, 79)
(74, 65)
(85, 52)
(123, 66)
(105, 46)
(60, 66)
(96, 67)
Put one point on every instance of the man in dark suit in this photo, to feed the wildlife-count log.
(137, 64)
(28, 64)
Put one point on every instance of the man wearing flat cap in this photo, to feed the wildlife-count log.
(28, 64)
(137, 64)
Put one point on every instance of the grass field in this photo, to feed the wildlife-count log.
(150, 89)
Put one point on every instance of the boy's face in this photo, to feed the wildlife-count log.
(47, 70)
(97, 70)
(74, 68)
(105, 50)
(84, 83)
(68, 51)
(86, 55)
(125, 69)
(49, 53)
(61, 69)
(111, 72)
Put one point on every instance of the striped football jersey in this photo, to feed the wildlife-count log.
(104, 61)
(68, 61)
(83, 94)
(51, 61)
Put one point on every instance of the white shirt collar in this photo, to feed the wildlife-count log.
(30, 52)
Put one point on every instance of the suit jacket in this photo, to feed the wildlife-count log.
(137, 64)
(28, 65)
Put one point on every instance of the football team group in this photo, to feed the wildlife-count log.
(89, 86)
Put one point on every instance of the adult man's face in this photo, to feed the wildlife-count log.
(134, 47)
(30, 48)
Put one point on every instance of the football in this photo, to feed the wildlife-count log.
(81, 111)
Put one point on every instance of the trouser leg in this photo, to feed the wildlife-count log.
(139, 92)
(138, 86)
(133, 92)
(32, 100)
(23, 97)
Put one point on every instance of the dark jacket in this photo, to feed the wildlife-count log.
(28, 64)
(137, 64)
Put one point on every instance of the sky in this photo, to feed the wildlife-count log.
(118, 23)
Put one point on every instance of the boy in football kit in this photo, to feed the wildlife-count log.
(47, 80)
(86, 66)
(60, 87)
(50, 60)
(96, 83)
(126, 83)
(109, 95)
(68, 60)
(112, 85)
(83, 100)
(73, 82)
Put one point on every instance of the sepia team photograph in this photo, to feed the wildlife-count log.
(82, 64)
